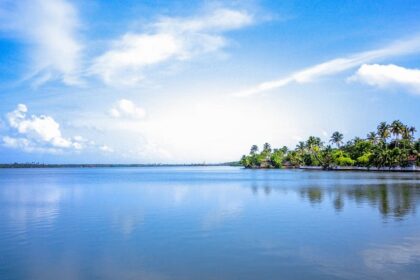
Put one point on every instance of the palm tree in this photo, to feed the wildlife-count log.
(267, 148)
(254, 149)
(300, 147)
(383, 131)
(266, 151)
(314, 145)
(284, 149)
(337, 139)
(412, 130)
(371, 136)
(396, 128)
(406, 134)
(295, 158)
(357, 140)
(313, 142)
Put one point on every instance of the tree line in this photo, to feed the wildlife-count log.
(391, 145)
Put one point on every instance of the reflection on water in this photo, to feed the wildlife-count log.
(208, 223)
(390, 200)
(394, 199)
(31, 205)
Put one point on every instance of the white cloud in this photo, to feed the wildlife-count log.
(106, 148)
(38, 133)
(125, 108)
(168, 39)
(388, 76)
(336, 66)
(49, 27)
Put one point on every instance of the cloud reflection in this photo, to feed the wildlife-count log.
(225, 211)
(34, 205)
(392, 257)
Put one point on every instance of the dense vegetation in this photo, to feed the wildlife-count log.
(391, 145)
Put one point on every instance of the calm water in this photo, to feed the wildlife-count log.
(208, 223)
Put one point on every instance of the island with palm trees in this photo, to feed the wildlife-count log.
(391, 147)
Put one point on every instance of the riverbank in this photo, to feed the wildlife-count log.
(357, 168)
(348, 168)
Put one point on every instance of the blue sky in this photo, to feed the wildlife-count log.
(199, 81)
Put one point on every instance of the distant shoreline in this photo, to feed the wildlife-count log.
(100, 165)
(232, 164)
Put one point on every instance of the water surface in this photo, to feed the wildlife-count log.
(208, 223)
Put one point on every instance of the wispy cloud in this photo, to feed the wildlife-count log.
(388, 76)
(50, 30)
(335, 66)
(167, 39)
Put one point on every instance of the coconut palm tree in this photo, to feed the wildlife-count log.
(396, 128)
(284, 149)
(314, 146)
(337, 139)
(371, 136)
(383, 131)
(300, 147)
(267, 148)
(266, 152)
(313, 142)
(357, 140)
(254, 149)
(406, 134)
(412, 130)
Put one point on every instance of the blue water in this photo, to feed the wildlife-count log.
(208, 223)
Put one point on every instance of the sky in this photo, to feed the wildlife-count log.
(199, 81)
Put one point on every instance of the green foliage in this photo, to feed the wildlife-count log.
(326, 157)
(294, 158)
(246, 161)
(342, 159)
(277, 158)
(364, 160)
(374, 151)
